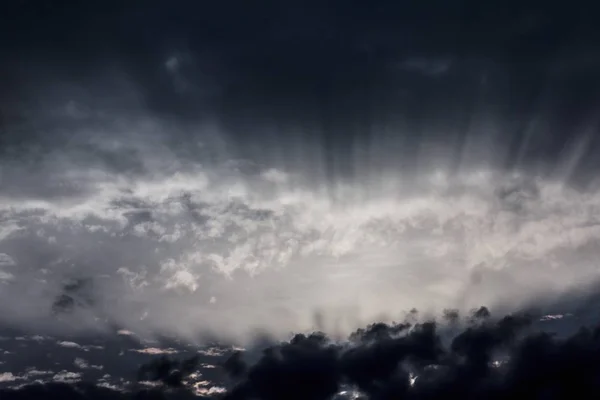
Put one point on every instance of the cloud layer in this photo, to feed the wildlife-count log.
(473, 357)
(135, 231)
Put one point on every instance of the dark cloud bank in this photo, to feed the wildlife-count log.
(336, 67)
(464, 358)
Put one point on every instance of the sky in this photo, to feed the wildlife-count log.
(221, 172)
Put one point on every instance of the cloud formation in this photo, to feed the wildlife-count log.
(217, 171)
(473, 357)
(491, 358)
(229, 241)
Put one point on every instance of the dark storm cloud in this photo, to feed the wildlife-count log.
(338, 66)
(489, 358)
(85, 391)
(476, 357)
(170, 372)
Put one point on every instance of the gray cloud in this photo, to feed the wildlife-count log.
(172, 239)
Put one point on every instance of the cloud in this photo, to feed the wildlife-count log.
(492, 358)
(8, 377)
(78, 391)
(6, 260)
(69, 344)
(154, 350)
(171, 373)
(464, 356)
(160, 242)
(66, 376)
(83, 364)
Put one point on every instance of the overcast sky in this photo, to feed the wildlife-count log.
(232, 166)
(216, 170)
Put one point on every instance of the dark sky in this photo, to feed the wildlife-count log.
(156, 152)
(515, 84)
(337, 66)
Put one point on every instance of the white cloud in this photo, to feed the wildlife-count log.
(210, 391)
(178, 275)
(275, 176)
(108, 386)
(165, 238)
(136, 280)
(83, 364)
(68, 344)
(5, 276)
(31, 372)
(66, 376)
(6, 260)
(8, 377)
(154, 351)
